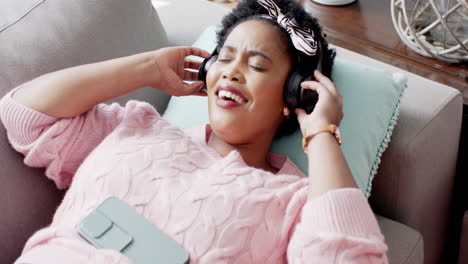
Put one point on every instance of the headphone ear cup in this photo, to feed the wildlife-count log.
(308, 98)
(297, 97)
(204, 67)
(291, 90)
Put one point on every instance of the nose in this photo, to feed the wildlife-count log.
(232, 74)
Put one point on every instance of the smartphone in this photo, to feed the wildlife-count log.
(115, 225)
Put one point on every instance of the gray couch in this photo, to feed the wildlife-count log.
(411, 193)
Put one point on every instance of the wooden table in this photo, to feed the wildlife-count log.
(366, 27)
(226, 3)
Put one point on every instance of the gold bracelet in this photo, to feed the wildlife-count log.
(333, 129)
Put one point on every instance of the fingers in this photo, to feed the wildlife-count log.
(191, 64)
(325, 81)
(322, 85)
(196, 52)
(301, 114)
(191, 70)
(194, 87)
(313, 85)
(190, 75)
(200, 92)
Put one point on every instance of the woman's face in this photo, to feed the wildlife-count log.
(245, 84)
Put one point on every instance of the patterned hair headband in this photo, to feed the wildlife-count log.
(302, 39)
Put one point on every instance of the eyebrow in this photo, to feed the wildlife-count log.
(250, 52)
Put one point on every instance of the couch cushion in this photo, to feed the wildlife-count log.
(40, 36)
(370, 97)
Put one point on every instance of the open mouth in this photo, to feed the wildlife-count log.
(228, 96)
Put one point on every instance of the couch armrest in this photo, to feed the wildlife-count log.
(415, 179)
(415, 182)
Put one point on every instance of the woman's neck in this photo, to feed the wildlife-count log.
(255, 154)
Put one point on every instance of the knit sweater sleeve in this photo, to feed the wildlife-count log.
(60, 145)
(337, 227)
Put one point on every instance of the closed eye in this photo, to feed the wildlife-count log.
(260, 69)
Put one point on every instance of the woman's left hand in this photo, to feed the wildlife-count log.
(329, 107)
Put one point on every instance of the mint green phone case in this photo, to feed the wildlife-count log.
(115, 225)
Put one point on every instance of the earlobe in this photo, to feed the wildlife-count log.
(286, 111)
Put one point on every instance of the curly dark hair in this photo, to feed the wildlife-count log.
(251, 9)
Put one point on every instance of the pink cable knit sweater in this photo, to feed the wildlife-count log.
(218, 208)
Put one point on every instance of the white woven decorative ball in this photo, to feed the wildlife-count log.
(433, 28)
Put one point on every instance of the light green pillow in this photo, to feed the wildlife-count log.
(371, 98)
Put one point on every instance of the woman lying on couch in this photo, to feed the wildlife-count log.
(215, 190)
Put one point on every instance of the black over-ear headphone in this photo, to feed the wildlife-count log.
(294, 96)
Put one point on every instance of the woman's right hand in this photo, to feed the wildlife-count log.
(73, 91)
(329, 107)
(169, 70)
